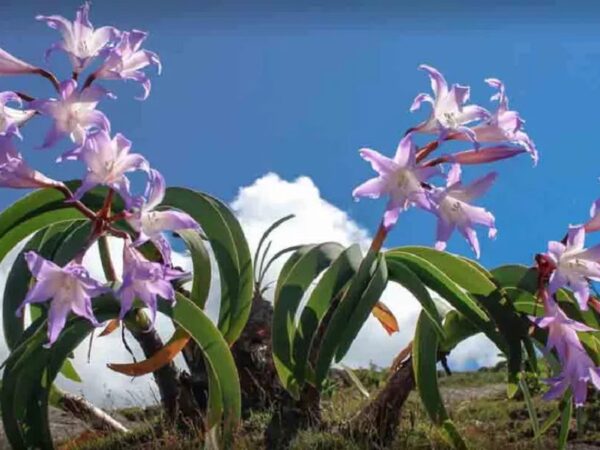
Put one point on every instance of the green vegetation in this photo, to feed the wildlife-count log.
(476, 402)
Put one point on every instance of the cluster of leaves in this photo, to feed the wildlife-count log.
(57, 231)
(497, 303)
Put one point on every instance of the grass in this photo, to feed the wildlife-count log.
(477, 404)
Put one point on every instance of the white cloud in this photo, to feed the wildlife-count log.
(257, 206)
(269, 198)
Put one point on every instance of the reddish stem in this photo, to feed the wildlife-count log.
(427, 150)
(88, 81)
(76, 203)
(106, 207)
(50, 77)
(24, 96)
(379, 238)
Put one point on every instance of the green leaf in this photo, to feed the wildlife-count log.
(73, 243)
(453, 436)
(31, 368)
(265, 235)
(361, 387)
(551, 420)
(565, 422)
(31, 205)
(481, 286)
(457, 328)
(466, 273)
(69, 372)
(330, 286)
(45, 200)
(217, 355)
(17, 286)
(401, 274)
(201, 267)
(15, 235)
(291, 287)
(359, 298)
(363, 308)
(535, 424)
(437, 280)
(231, 252)
(514, 275)
(424, 359)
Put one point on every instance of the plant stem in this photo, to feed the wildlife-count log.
(427, 150)
(50, 76)
(379, 238)
(89, 80)
(76, 203)
(105, 258)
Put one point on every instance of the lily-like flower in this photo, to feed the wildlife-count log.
(74, 113)
(450, 115)
(107, 161)
(15, 172)
(80, 41)
(11, 65)
(145, 280)
(503, 125)
(454, 210)
(150, 223)
(577, 367)
(127, 59)
(69, 288)
(575, 265)
(12, 118)
(400, 178)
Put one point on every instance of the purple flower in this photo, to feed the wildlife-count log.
(12, 118)
(126, 59)
(80, 41)
(450, 115)
(11, 65)
(74, 113)
(454, 211)
(69, 288)
(577, 367)
(14, 171)
(107, 161)
(150, 223)
(575, 265)
(503, 125)
(145, 280)
(400, 178)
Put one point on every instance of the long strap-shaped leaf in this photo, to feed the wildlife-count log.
(363, 308)
(44, 200)
(11, 238)
(479, 284)
(451, 291)
(231, 252)
(359, 298)
(296, 277)
(330, 286)
(401, 274)
(425, 355)
(31, 368)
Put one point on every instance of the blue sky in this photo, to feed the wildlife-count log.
(297, 88)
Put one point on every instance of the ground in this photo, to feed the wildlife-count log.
(476, 402)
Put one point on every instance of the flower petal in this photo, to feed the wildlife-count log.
(380, 164)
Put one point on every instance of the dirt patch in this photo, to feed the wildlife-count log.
(454, 396)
